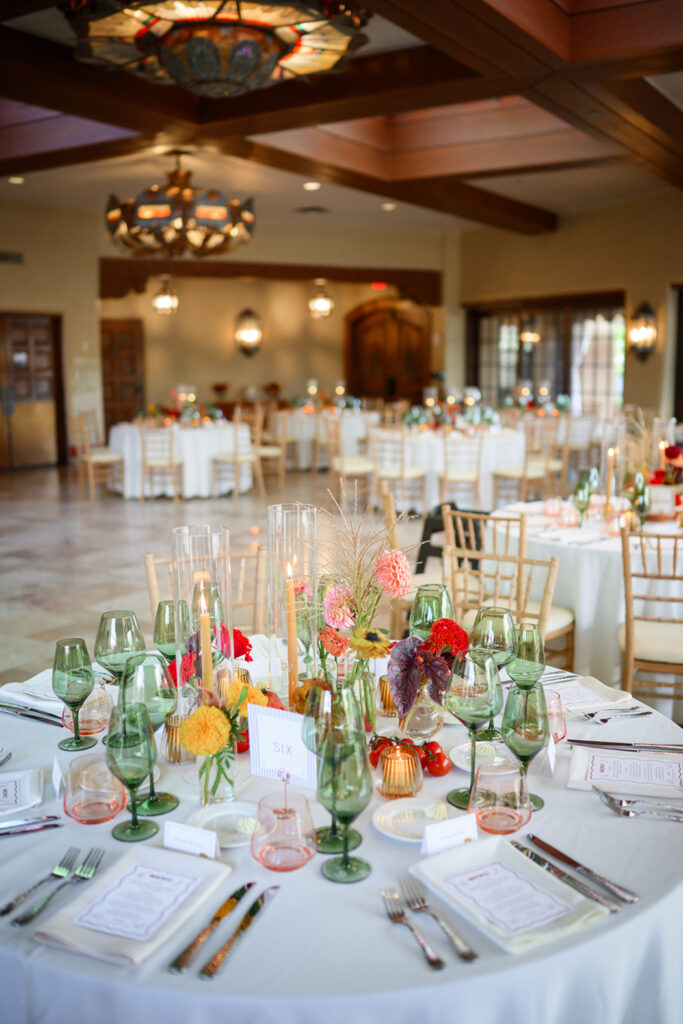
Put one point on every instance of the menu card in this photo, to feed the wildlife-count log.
(641, 773)
(20, 790)
(508, 900)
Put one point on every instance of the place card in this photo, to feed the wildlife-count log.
(57, 776)
(507, 899)
(443, 835)
(138, 903)
(187, 839)
(276, 746)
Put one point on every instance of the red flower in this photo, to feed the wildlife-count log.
(241, 643)
(445, 633)
(658, 476)
(188, 667)
(679, 499)
(672, 452)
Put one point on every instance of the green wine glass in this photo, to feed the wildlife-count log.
(582, 499)
(641, 499)
(118, 637)
(131, 754)
(164, 635)
(148, 682)
(525, 727)
(474, 695)
(328, 710)
(345, 789)
(529, 664)
(72, 682)
(494, 636)
(432, 602)
(591, 477)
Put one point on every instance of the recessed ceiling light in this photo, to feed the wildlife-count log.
(15, 180)
(311, 186)
(388, 207)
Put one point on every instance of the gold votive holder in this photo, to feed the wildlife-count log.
(400, 772)
(383, 699)
(222, 680)
(172, 749)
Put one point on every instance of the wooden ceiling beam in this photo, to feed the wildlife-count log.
(41, 72)
(77, 155)
(11, 9)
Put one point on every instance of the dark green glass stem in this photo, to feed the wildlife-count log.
(473, 753)
(133, 790)
(333, 828)
(77, 732)
(345, 852)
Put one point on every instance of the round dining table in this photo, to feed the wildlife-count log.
(323, 952)
(196, 446)
(301, 429)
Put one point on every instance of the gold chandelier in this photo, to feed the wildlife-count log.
(217, 48)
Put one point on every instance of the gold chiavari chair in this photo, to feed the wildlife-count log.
(158, 458)
(393, 412)
(95, 464)
(346, 469)
(540, 469)
(390, 465)
(461, 467)
(400, 608)
(321, 437)
(651, 640)
(242, 450)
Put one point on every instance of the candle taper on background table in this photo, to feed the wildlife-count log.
(292, 643)
(207, 654)
(662, 456)
(610, 471)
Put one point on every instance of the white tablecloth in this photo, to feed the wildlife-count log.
(589, 581)
(301, 428)
(327, 953)
(196, 446)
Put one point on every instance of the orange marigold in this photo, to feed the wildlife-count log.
(205, 732)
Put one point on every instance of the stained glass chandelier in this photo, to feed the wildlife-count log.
(217, 48)
(176, 219)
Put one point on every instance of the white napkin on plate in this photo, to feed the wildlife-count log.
(37, 691)
(61, 931)
(20, 790)
(639, 772)
(586, 693)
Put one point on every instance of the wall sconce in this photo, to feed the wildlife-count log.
(320, 305)
(528, 334)
(642, 332)
(166, 301)
(248, 332)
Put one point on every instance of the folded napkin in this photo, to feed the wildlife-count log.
(585, 693)
(639, 772)
(571, 535)
(37, 691)
(108, 903)
(20, 790)
(510, 898)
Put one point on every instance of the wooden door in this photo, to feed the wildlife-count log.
(31, 394)
(123, 370)
(387, 350)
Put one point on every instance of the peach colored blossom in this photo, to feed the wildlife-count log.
(336, 607)
(393, 574)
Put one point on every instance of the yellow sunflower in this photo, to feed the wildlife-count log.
(369, 643)
(205, 732)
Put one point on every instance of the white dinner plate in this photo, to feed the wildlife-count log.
(407, 819)
(233, 823)
(487, 754)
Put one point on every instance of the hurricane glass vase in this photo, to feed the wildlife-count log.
(424, 719)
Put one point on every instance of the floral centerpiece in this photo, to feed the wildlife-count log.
(191, 662)
(420, 670)
(211, 733)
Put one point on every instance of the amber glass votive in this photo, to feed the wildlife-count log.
(400, 772)
(222, 680)
(385, 702)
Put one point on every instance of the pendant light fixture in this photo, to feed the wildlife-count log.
(166, 301)
(320, 304)
(248, 332)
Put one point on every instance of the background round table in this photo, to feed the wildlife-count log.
(196, 446)
(301, 428)
(327, 953)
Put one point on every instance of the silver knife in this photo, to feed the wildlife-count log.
(19, 822)
(32, 828)
(210, 969)
(31, 713)
(662, 748)
(585, 890)
(625, 895)
(185, 958)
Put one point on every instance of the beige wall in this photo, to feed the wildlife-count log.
(637, 247)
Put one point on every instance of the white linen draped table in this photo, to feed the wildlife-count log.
(425, 448)
(590, 582)
(301, 429)
(322, 952)
(196, 446)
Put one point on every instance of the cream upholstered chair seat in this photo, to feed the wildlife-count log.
(351, 464)
(461, 476)
(105, 457)
(558, 616)
(230, 457)
(655, 641)
(536, 469)
(398, 473)
(156, 463)
(268, 450)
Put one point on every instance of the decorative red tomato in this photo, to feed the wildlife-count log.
(377, 746)
(439, 764)
(274, 701)
(424, 757)
(433, 747)
(243, 744)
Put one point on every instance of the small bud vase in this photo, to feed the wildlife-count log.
(424, 719)
(216, 774)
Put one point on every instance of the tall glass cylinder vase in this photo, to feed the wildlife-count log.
(292, 596)
(200, 569)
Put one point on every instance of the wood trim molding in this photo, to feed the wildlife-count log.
(583, 300)
(118, 277)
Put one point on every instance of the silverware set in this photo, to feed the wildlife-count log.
(632, 807)
(33, 714)
(22, 826)
(60, 870)
(617, 895)
(212, 966)
(4, 758)
(416, 899)
(83, 873)
(609, 714)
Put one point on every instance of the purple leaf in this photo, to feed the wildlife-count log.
(438, 674)
(404, 673)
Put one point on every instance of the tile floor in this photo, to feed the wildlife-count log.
(65, 559)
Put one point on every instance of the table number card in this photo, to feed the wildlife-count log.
(275, 746)
(443, 835)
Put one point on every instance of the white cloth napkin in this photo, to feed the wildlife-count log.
(20, 790)
(638, 772)
(474, 857)
(61, 931)
(586, 693)
(37, 691)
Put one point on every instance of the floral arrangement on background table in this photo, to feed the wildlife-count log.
(420, 670)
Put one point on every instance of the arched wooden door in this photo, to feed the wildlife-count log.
(387, 350)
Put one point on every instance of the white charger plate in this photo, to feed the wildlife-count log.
(407, 819)
(224, 820)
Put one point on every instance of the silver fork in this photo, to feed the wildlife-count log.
(60, 870)
(626, 809)
(396, 914)
(83, 873)
(416, 899)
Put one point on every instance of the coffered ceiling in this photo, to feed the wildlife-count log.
(488, 111)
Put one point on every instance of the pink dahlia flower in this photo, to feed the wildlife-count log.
(337, 607)
(393, 574)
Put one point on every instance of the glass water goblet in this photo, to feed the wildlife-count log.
(527, 667)
(582, 499)
(118, 637)
(525, 728)
(148, 682)
(432, 602)
(72, 682)
(345, 789)
(500, 799)
(328, 710)
(284, 837)
(131, 755)
(556, 720)
(474, 696)
(164, 635)
(91, 793)
(493, 635)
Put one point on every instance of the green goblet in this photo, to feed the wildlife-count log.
(164, 635)
(432, 602)
(582, 499)
(345, 789)
(72, 682)
(131, 754)
(529, 664)
(474, 695)
(118, 637)
(148, 682)
(525, 727)
(493, 636)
